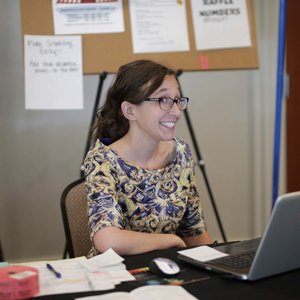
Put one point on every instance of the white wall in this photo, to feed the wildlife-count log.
(232, 113)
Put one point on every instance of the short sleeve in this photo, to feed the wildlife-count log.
(103, 207)
(193, 222)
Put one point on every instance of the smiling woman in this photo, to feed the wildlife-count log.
(140, 177)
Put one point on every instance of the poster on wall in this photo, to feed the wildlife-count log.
(220, 24)
(53, 72)
(158, 26)
(87, 16)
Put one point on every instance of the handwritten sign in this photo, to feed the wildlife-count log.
(220, 24)
(53, 72)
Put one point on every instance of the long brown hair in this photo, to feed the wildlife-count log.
(134, 82)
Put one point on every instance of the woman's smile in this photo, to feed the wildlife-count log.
(169, 124)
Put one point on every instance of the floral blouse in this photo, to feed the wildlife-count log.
(130, 197)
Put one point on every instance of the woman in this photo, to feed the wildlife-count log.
(140, 178)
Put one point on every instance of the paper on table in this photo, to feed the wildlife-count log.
(76, 278)
(73, 276)
(108, 258)
(150, 292)
(110, 296)
(107, 264)
(202, 253)
(99, 279)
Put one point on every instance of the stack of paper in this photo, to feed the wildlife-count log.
(101, 272)
(151, 292)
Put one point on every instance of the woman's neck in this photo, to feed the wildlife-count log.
(143, 153)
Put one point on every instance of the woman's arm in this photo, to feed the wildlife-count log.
(197, 240)
(126, 242)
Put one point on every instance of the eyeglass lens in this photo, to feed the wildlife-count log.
(167, 103)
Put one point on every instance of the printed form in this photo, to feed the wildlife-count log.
(158, 26)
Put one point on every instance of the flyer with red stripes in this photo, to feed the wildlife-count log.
(87, 16)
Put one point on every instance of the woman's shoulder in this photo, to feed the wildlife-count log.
(100, 158)
(182, 146)
(99, 150)
(184, 155)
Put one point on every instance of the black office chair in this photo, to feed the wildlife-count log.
(75, 219)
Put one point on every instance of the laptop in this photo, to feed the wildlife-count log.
(277, 251)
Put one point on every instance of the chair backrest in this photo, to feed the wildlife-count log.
(75, 219)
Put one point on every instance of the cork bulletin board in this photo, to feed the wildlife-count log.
(106, 52)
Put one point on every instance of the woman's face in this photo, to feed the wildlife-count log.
(151, 120)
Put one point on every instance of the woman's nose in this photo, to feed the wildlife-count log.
(175, 109)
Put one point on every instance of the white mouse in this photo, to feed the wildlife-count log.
(163, 266)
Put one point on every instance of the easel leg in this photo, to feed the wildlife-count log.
(102, 77)
(201, 164)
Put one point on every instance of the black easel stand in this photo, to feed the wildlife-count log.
(201, 164)
(102, 77)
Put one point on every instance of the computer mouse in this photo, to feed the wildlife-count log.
(163, 266)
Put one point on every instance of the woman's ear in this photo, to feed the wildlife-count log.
(128, 110)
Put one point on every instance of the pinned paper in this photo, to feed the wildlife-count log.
(158, 26)
(53, 72)
(83, 17)
(220, 24)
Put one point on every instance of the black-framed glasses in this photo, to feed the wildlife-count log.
(166, 103)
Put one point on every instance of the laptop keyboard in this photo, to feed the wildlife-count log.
(237, 261)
